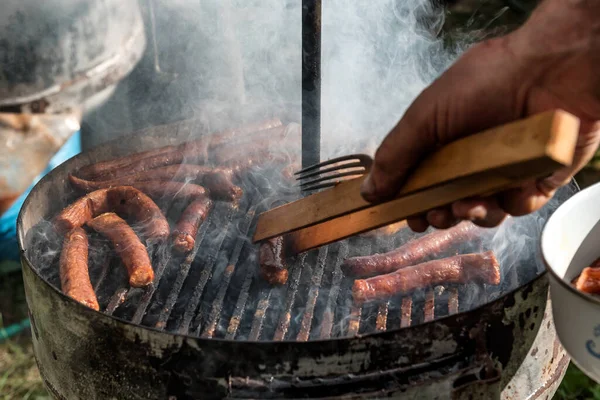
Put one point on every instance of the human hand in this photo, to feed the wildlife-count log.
(552, 61)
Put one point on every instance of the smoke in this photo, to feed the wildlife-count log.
(377, 57)
(228, 62)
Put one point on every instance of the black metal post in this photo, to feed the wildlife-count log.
(311, 82)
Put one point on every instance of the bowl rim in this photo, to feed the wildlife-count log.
(594, 299)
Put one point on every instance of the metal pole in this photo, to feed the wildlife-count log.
(311, 82)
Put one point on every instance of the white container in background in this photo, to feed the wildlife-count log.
(570, 242)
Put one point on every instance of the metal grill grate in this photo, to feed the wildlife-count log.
(215, 291)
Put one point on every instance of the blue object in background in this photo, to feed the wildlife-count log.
(9, 249)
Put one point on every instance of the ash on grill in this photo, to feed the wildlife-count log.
(215, 291)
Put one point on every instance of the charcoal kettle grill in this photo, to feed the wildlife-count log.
(210, 328)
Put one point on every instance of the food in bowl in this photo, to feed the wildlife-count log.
(589, 279)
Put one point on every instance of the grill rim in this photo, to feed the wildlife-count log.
(143, 136)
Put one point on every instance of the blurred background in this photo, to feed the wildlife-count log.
(75, 74)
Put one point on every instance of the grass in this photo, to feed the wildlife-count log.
(576, 386)
(19, 376)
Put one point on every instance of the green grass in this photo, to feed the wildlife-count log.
(576, 386)
(19, 376)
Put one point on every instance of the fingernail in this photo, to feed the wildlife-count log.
(367, 189)
(477, 212)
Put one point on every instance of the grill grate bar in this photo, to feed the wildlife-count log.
(259, 314)
(406, 311)
(106, 262)
(382, 314)
(338, 275)
(307, 318)
(184, 270)
(354, 320)
(284, 321)
(215, 312)
(240, 306)
(429, 306)
(116, 300)
(453, 301)
(190, 310)
(163, 261)
(147, 291)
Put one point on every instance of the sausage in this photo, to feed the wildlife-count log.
(158, 190)
(271, 258)
(125, 200)
(127, 245)
(184, 234)
(217, 180)
(412, 252)
(240, 162)
(196, 150)
(465, 268)
(74, 275)
(589, 279)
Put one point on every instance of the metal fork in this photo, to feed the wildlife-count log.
(331, 172)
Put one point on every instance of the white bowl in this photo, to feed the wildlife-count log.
(570, 242)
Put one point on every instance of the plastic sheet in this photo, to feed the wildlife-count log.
(9, 250)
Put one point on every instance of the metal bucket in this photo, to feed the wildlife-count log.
(63, 54)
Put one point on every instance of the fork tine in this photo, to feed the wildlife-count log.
(331, 169)
(332, 177)
(328, 162)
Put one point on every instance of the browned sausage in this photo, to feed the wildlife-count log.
(196, 151)
(158, 190)
(465, 268)
(412, 252)
(184, 234)
(589, 279)
(271, 258)
(125, 200)
(127, 245)
(217, 180)
(74, 275)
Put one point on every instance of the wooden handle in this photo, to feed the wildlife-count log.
(476, 165)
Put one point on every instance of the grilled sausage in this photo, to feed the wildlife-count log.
(589, 279)
(158, 190)
(217, 180)
(184, 234)
(74, 275)
(465, 268)
(125, 200)
(127, 245)
(196, 151)
(271, 256)
(412, 252)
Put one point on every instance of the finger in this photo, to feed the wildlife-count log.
(401, 149)
(525, 199)
(417, 224)
(441, 218)
(485, 212)
(532, 196)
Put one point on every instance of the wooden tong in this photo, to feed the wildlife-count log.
(477, 165)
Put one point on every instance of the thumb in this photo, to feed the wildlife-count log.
(399, 152)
